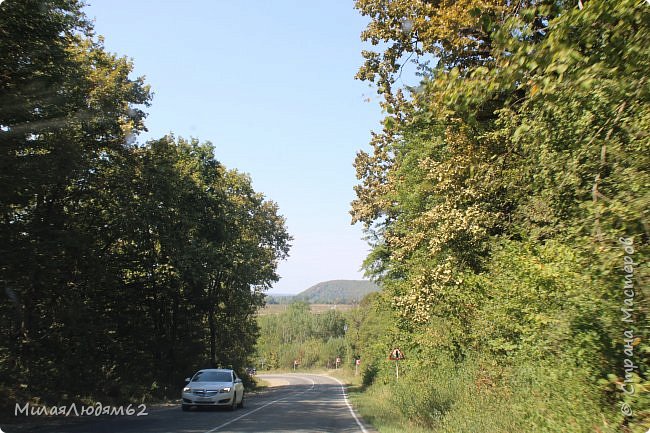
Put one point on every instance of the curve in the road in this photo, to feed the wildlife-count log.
(321, 406)
(298, 403)
(313, 384)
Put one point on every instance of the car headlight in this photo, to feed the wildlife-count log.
(186, 389)
(227, 389)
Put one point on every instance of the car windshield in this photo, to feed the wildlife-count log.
(212, 376)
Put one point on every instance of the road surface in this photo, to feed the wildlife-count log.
(294, 403)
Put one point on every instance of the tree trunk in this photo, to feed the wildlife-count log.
(213, 337)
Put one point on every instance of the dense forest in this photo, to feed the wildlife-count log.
(316, 340)
(506, 199)
(117, 259)
(297, 334)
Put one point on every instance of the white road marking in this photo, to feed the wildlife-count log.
(345, 398)
(260, 408)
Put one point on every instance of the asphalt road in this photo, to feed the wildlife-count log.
(295, 403)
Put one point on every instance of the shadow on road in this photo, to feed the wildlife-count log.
(279, 408)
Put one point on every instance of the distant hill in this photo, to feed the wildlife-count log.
(337, 292)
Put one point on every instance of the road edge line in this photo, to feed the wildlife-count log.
(347, 402)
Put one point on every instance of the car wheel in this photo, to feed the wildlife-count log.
(233, 406)
(241, 403)
(185, 407)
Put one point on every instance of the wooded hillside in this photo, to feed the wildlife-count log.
(507, 201)
(337, 292)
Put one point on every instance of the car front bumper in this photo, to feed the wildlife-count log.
(221, 399)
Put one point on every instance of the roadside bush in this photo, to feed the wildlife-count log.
(486, 394)
(369, 374)
(419, 396)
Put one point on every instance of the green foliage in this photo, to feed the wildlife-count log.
(480, 395)
(495, 198)
(315, 340)
(124, 267)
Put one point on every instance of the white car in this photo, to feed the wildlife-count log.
(213, 387)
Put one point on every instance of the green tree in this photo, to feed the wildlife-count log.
(498, 189)
(67, 106)
(117, 259)
(315, 339)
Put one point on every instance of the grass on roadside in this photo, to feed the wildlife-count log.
(258, 385)
(480, 397)
(374, 407)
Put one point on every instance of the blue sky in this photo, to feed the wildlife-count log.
(271, 85)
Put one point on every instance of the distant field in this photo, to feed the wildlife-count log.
(315, 308)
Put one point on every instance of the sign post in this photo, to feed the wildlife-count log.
(357, 363)
(338, 362)
(396, 355)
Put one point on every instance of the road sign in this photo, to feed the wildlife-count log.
(396, 355)
(358, 362)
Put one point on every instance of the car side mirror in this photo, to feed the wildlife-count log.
(187, 379)
(237, 380)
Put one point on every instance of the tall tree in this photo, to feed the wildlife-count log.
(65, 106)
(117, 260)
(512, 169)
